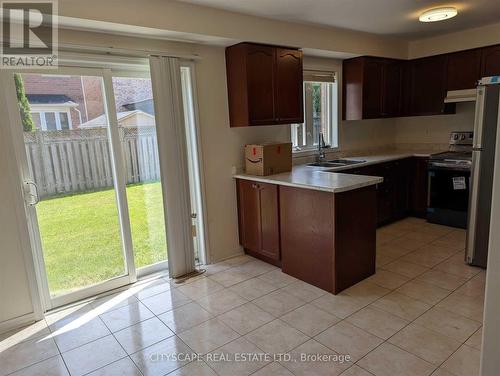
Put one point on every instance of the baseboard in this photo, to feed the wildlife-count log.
(239, 253)
(17, 322)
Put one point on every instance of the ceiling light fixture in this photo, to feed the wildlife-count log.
(438, 14)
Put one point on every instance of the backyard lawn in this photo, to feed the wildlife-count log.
(81, 235)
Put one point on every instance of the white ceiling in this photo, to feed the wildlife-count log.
(397, 18)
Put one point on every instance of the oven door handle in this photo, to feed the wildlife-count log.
(442, 167)
(430, 175)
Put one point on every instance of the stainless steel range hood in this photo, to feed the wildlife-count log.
(455, 96)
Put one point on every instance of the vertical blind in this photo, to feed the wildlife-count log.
(167, 92)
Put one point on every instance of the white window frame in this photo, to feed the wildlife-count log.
(40, 114)
(56, 111)
(332, 139)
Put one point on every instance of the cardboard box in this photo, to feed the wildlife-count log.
(268, 159)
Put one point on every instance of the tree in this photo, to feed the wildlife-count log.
(24, 106)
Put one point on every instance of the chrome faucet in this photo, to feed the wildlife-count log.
(321, 149)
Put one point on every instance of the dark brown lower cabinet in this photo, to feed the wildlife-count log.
(258, 215)
(328, 240)
(403, 190)
(402, 175)
(322, 238)
(419, 186)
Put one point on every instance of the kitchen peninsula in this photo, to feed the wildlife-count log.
(318, 226)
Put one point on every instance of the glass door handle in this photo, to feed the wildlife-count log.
(36, 196)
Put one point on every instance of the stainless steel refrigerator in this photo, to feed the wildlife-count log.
(483, 162)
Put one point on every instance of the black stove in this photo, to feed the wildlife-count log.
(453, 160)
(449, 182)
(453, 155)
(459, 155)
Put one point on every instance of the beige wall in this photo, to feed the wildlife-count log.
(184, 19)
(433, 129)
(462, 40)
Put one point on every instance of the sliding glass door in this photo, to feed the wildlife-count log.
(92, 179)
(72, 184)
(133, 97)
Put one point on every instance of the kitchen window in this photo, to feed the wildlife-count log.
(52, 120)
(320, 112)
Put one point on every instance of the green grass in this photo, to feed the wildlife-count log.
(81, 235)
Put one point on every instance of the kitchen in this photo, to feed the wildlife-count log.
(435, 185)
(343, 171)
(331, 241)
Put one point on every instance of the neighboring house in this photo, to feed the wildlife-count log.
(131, 119)
(84, 91)
(145, 105)
(60, 102)
(133, 94)
(52, 112)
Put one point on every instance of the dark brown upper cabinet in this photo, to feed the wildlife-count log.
(259, 84)
(289, 86)
(464, 69)
(371, 88)
(375, 87)
(392, 90)
(490, 61)
(428, 86)
(264, 85)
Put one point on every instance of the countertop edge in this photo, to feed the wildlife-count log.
(386, 158)
(373, 181)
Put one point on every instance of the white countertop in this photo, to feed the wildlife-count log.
(323, 179)
(311, 178)
(374, 159)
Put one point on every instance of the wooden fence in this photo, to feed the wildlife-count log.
(80, 160)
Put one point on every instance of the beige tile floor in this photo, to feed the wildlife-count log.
(420, 314)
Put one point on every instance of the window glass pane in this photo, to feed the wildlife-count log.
(36, 120)
(320, 115)
(137, 127)
(50, 121)
(77, 215)
(63, 117)
(317, 110)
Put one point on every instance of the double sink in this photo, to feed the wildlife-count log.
(336, 163)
